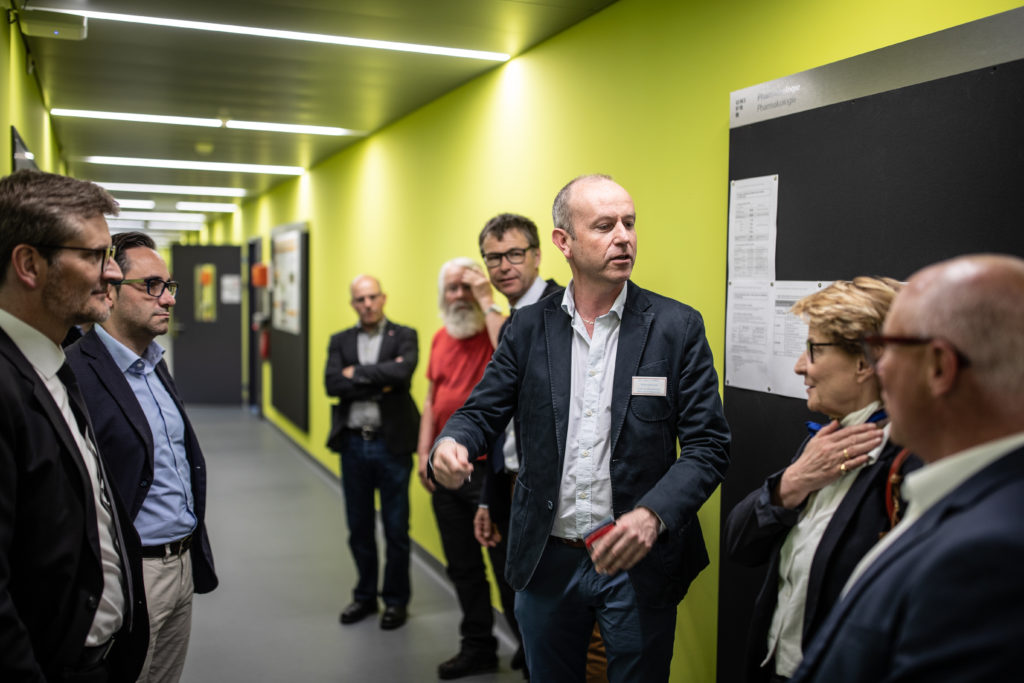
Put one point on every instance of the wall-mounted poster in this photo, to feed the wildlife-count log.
(287, 314)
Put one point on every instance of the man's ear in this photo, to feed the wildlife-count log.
(27, 265)
(562, 241)
(942, 367)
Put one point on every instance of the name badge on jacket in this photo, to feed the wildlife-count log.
(650, 386)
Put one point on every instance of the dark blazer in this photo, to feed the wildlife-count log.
(387, 381)
(530, 377)
(51, 578)
(497, 460)
(126, 442)
(944, 601)
(756, 529)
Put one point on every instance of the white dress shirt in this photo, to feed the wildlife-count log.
(797, 554)
(925, 487)
(585, 494)
(46, 359)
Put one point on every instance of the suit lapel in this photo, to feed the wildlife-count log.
(349, 347)
(633, 330)
(558, 338)
(919, 532)
(114, 380)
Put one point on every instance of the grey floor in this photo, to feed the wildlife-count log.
(277, 526)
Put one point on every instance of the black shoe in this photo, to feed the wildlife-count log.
(357, 611)
(393, 617)
(467, 664)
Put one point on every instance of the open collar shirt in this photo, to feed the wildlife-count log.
(927, 486)
(168, 511)
(47, 359)
(585, 494)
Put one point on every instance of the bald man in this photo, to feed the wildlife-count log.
(374, 427)
(939, 598)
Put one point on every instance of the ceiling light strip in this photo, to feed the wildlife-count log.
(285, 35)
(289, 128)
(198, 190)
(211, 207)
(195, 165)
(141, 118)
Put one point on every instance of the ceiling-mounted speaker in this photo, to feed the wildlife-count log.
(43, 24)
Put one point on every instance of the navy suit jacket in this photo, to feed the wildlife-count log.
(51, 578)
(756, 530)
(126, 442)
(387, 381)
(529, 377)
(945, 602)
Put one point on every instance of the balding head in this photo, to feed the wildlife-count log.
(966, 384)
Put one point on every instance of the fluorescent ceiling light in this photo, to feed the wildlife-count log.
(142, 118)
(285, 35)
(212, 207)
(162, 216)
(206, 123)
(135, 203)
(290, 128)
(200, 190)
(196, 165)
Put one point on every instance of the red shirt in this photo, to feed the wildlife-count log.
(456, 365)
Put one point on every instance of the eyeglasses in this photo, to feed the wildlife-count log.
(513, 256)
(154, 286)
(366, 298)
(811, 345)
(103, 254)
(874, 345)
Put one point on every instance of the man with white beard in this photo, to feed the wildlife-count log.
(459, 352)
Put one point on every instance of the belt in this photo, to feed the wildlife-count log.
(365, 433)
(92, 656)
(168, 549)
(571, 542)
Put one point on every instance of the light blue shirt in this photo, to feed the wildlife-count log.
(168, 512)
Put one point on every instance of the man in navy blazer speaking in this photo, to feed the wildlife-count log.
(601, 380)
(939, 597)
(150, 448)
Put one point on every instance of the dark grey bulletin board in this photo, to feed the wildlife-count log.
(289, 353)
(877, 185)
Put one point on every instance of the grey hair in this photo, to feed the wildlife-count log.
(458, 262)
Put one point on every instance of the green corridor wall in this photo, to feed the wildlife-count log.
(640, 91)
(21, 106)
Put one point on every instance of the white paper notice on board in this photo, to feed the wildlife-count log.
(753, 207)
(763, 339)
(789, 336)
(748, 335)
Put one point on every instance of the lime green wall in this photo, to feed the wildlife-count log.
(640, 91)
(21, 105)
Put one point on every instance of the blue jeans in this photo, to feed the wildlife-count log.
(367, 466)
(556, 614)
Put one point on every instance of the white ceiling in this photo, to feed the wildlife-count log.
(125, 67)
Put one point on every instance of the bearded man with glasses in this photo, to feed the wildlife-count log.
(149, 447)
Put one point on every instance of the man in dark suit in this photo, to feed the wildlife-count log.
(510, 248)
(601, 381)
(939, 598)
(149, 448)
(72, 604)
(374, 427)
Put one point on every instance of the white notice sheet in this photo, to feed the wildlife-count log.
(753, 207)
(763, 339)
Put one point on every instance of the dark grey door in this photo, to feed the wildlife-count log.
(208, 323)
